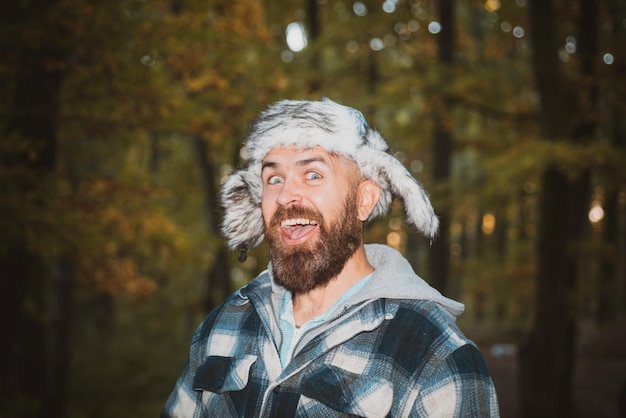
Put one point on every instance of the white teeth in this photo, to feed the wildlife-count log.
(294, 222)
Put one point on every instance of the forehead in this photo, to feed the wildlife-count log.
(303, 156)
(292, 154)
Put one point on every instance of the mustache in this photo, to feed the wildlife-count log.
(283, 213)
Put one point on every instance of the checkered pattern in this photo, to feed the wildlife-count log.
(379, 358)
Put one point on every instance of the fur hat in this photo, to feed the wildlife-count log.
(338, 129)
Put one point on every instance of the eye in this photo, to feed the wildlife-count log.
(312, 175)
(274, 180)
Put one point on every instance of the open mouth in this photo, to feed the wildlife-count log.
(297, 229)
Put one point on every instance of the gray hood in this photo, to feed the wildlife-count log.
(393, 278)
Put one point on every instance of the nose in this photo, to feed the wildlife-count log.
(289, 193)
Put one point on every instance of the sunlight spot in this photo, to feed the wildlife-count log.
(296, 37)
(417, 166)
(389, 6)
(286, 55)
(596, 213)
(518, 32)
(403, 117)
(608, 58)
(352, 46)
(359, 9)
(394, 239)
(419, 11)
(403, 31)
(489, 223)
(434, 27)
(395, 224)
(506, 26)
(377, 44)
(570, 44)
(492, 5)
(148, 60)
(530, 187)
(413, 25)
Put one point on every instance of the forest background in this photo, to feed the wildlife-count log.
(120, 119)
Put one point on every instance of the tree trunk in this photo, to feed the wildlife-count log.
(59, 332)
(610, 298)
(23, 273)
(22, 277)
(219, 273)
(314, 26)
(442, 148)
(548, 356)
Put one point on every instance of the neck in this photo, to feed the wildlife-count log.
(316, 302)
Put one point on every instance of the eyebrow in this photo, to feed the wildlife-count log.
(300, 163)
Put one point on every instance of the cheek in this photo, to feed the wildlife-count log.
(268, 207)
(329, 205)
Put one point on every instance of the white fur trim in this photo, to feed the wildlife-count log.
(243, 218)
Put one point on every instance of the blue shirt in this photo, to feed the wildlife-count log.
(291, 334)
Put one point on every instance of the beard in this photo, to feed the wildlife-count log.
(307, 266)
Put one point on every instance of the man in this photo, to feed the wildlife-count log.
(333, 327)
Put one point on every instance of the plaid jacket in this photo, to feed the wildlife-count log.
(377, 358)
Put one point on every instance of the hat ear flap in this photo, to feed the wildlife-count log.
(243, 218)
(394, 178)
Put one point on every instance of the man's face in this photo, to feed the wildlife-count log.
(309, 205)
